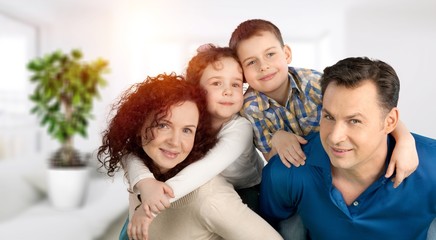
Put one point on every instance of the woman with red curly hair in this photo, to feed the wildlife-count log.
(145, 107)
(159, 121)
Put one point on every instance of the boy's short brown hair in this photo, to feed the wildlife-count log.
(251, 28)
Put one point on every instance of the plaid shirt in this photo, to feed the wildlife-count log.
(301, 115)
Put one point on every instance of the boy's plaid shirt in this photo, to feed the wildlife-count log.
(301, 115)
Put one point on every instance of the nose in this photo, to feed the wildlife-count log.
(264, 66)
(174, 138)
(338, 134)
(227, 91)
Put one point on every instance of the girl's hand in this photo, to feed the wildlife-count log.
(139, 225)
(155, 196)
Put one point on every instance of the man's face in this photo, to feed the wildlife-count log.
(264, 62)
(354, 126)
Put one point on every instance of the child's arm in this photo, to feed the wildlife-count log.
(139, 221)
(155, 194)
(287, 146)
(404, 159)
(233, 140)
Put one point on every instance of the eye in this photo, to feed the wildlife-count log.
(355, 121)
(215, 83)
(162, 125)
(250, 63)
(270, 54)
(327, 116)
(188, 130)
(236, 85)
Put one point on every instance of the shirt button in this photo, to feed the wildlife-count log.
(355, 203)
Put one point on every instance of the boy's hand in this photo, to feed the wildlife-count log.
(404, 161)
(154, 196)
(287, 145)
(138, 225)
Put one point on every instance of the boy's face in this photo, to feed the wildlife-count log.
(265, 62)
(353, 127)
(223, 83)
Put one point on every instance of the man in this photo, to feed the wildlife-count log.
(341, 191)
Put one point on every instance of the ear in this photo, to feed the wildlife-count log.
(391, 120)
(288, 53)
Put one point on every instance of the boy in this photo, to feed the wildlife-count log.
(284, 103)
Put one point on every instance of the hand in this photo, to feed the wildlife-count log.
(287, 145)
(404, 161)
(137, 228)
(154, 196)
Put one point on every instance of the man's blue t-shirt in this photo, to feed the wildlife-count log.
(380, 212)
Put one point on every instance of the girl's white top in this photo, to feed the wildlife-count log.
(234, 157)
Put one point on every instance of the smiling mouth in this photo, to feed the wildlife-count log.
(340, 151)
(267, 77)
(169, 154)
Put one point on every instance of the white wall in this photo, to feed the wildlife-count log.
(403, 36)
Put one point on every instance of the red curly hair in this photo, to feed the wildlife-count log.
(152, 99)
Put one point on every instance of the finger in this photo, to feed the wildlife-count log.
(298, 155)
(147, 210)
(144, 231)
(168, 190)
(166, 203)
(129, 230)
(155, 208)
(390, 170)
(301, 140)
(284, 161)
(138, 234)
(399, 177)
(291, 160)
(160, 207)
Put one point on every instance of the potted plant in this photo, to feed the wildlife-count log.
(65, 89)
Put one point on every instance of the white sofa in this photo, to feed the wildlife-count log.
(25, 212)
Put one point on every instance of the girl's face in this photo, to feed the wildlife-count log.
(223, 82)
(173, 136)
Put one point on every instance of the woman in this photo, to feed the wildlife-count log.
(160, 121)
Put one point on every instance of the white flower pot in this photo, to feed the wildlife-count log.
(67, 187)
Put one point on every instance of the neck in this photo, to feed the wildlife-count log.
(281, 94)
(354, 181)
(217, 123)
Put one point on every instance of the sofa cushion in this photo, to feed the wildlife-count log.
(17, 193)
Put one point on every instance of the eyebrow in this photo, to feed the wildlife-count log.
(354, 115)
(266, 50)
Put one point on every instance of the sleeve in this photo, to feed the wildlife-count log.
(233, 140)
(135, 171)
(275, 200)
(262, 136)
(226, 215)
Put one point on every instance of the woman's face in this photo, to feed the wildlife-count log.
(173, 136)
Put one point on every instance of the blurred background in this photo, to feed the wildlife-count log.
(145, 37)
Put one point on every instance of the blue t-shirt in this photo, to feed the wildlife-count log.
(380, 212)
